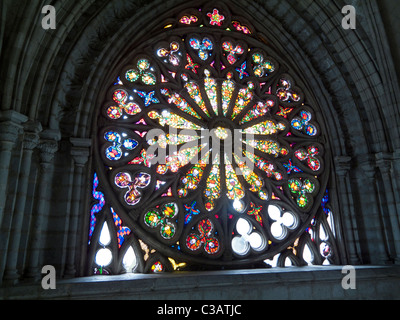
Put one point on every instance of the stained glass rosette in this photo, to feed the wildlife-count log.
(235, 136)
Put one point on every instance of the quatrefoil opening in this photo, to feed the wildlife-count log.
(204, 239)
(203, 47)
(283, 222)
(119, 142)
(310, 155)
(171, 55)
(163, 218)
(287, 93)
(143, 72)
(262, 66)
(232, 51)
(133, 195)
(248, 238)
(302, 123)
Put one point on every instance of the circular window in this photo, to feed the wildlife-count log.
(212, 150)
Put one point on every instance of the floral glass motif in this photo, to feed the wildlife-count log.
(163, 217)
(172, 55)
(311, 156)
(204, 238)
(303, 124)
(121, 98)
(302, 190)
(123, 180)
(114, 152)
(232, 51)
(141, 73)
(203, 47)
(189, 19)
(286, 93)
(239, 161)
(242, 28)
(261, 65)
(216, 19)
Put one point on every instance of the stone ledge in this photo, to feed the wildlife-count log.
(373, 282)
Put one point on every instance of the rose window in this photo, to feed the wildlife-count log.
(209, 150)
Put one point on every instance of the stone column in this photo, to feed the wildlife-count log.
(10, 129)
(372, 232)
(80, 153)
(388, 205)
(31, 140)
(349, 223)
(48, 149)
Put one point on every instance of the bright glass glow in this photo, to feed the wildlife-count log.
(308, 256)
(105, 238)
(248, 238)
(240, 246)
(103, 257)
(129, 262)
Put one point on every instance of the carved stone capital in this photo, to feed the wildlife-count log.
(384, 161)
(368, 166)
(10, 131)
(80, 150)
(31, 136)
(343, 165)
(31, 140)
(48, 149)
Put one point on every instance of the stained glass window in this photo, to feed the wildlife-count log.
(210, 153)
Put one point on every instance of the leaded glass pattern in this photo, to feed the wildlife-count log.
(211, 155)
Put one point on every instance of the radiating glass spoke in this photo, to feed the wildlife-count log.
(244, 97)
(228, 87)
(264, 165)
(265, 128)
(260, 109)
(213, 185)
(193, 177)
(180, 102)
(165, 140)
(233, 186)
(180, 159)
(268, 146)
(194, 91)
(252, 178)
(210, 86)
(173, 120)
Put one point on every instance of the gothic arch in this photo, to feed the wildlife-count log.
(59, 83)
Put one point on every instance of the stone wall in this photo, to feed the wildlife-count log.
(51, 82)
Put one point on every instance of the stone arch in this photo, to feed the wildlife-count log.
(59, 81)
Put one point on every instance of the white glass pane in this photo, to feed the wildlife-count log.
(243, 227)
(240, 246)
(256, 241)
(105, 237)
(274, 212)
(308, 255)
(277, 231)
(289, 220)
(129, 260)
(103, 257)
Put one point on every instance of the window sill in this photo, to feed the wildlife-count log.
(313, 282)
